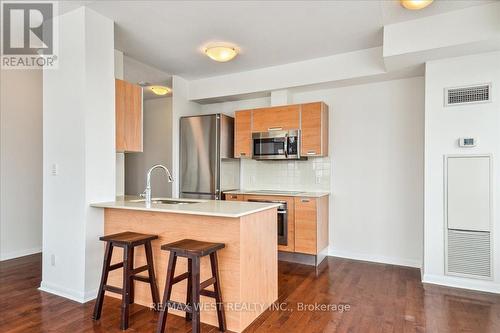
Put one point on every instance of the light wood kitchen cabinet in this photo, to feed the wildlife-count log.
(234, 197)
(311, 225)
(310, 118)
(243, 134)
(128, 109)
(276, 118)
(314, 128)
(307, 222)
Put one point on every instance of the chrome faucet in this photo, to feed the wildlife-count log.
(147, 191)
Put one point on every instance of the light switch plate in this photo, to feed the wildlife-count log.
(55, 169)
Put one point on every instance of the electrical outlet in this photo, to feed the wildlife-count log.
(252, 179)
(318, 179)
(53, 260)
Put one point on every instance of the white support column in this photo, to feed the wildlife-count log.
(78, 154)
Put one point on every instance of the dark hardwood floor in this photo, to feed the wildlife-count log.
(381, 298)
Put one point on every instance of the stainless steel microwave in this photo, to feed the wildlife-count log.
(276, 145)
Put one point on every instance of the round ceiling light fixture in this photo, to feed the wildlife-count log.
(160, 90)
(415, 4)
(221, 52)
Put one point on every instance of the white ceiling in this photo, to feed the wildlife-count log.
(169, 35)
(135, 71)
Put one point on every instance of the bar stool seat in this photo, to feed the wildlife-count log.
(190, 247)
(128, 241)
(193, 250)
(128, 238)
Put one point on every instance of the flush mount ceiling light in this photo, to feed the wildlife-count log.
(415, 4)
(160, 90)
(221, 53)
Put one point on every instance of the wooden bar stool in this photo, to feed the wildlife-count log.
(128, 241)
(192, 250)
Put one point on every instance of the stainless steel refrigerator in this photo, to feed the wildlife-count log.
(207, 166)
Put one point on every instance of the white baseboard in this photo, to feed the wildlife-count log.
(74, 295)
(462, 283)
(375, 258)
(19, 253)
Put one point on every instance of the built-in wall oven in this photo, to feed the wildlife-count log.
(276, 145)
(282, 220)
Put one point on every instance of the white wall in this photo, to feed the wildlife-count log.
(375, 168)
(471, 30)
(376, 151)
(79, 136)
(442, 129)
(20, 163)
(338, 67)
(157, 150)
(229, 107)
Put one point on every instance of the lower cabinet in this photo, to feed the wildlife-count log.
(307, 221)
(234, 197)
(311, 224)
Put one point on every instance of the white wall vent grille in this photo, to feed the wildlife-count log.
(468, 95)
(469, 253)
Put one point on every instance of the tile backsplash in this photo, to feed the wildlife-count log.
(310, 175)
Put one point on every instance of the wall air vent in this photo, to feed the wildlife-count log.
(469, 254)
(468, 95)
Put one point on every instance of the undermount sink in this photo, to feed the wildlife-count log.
(166, 201)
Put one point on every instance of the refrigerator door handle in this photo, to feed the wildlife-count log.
(217, 161)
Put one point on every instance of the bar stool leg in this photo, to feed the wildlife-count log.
(131, 268)
(162, 320)
(188, 294)
(127, 254)
(195, 296)
(152, 278)
(218, 295)
(108, 253)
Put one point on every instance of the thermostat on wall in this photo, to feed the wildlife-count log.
(467, 142)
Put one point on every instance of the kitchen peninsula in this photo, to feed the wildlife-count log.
(248, 265)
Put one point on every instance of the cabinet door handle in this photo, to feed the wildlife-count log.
(243, 154)
(275, 128)
(304, 200)
(311, 152)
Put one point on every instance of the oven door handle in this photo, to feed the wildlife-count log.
(286, 145)
(285, 227)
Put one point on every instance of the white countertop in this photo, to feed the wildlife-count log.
(307, 194)
(199, 207)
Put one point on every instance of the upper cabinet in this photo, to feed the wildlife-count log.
(243, 134)
(310, 118)
(276, 118)
(128, 108)
(314, 129)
